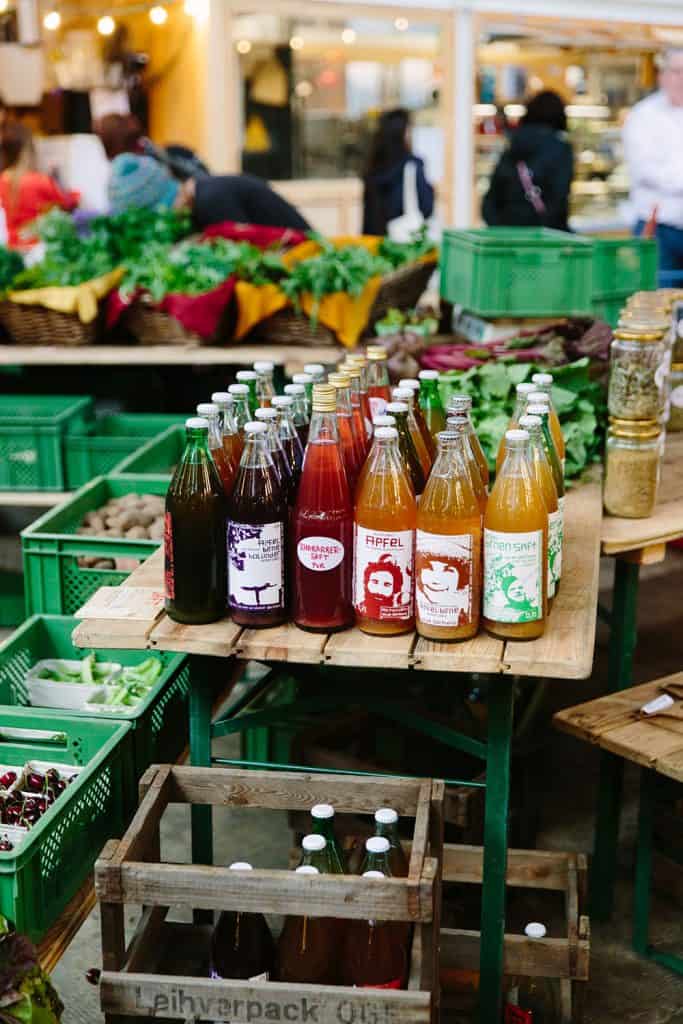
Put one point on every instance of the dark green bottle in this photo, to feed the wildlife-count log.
(430, 401)
(377, 856)
(406, 446)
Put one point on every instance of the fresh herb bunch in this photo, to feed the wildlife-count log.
(578, 399)
(345, 269)
(11, 264)
(399, 253)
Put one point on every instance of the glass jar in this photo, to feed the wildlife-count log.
(676, 398)
(632, 463)
(677, 330)
(639, 368)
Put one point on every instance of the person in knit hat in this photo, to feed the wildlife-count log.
(140, 181)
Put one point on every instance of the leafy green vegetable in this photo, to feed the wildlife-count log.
(344, 269)
(399, 253)
(11, 264)
(27, 996)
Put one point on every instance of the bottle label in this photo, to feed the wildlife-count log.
(383, 574)
(256, 566)
(169, 563)
(377, 405)
(320, 553)
(443, 578)
(513, 576)
(516, 1015)
(555, 539)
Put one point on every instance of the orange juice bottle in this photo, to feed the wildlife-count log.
(516, 548)
(407, 395)
(544, 383)
(448, 546)
(461, 423)
(232, 439)
(384, 541)
(545, 480)
(523, 390)
(414, 385)
(461, 405)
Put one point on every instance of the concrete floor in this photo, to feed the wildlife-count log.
(623, 988)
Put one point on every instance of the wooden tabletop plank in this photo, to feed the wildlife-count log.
(352, 649)
(666, 523)
(672, 765)
(642, 742)
(118, 634)
(590, 721)
(149, 573)
(565, 651)
(281, 643)
(217, 639)
(164, 355)
(482, 654)
(33, 499)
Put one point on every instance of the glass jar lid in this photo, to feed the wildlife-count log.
(635, 332)
(634, 428)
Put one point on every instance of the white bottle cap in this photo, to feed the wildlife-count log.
(402, 394)
(264, 366)
(255, 428)
(238, 389)
(243, 375)
(302, 378)
(306, 869)
(386, 433)
(525, 388)
(386, 816)
(207, 409)
(197, 423)
(428, 374)
(538, 411)
(377, 844)
(222, 398)
(459, 403)
(322, 811)
(313, 368)
(530, 421)
(313, 843)
(537, 397)
(516, 435)
(266, 414)
(542, 379)
(409, 382)
(535, 930)
(384, 421)
(373, 874)
(281, 401)
(241, 865)
(396, 407)
(295, 389)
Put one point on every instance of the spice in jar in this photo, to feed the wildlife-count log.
(632, 461)
(676, 398)
(677, 330)
(639, 365)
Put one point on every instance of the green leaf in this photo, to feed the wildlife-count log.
(563, 399)
(494, 380)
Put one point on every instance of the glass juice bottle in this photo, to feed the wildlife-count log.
(299, 410)
(226, 469)
(515, 548)
(361, 363)
(322, 524)
(257, 535)
(407, 396)
(323, 825)
(544, 382)
(448, 546)
(461, 405)
(250, 378)
(384, 541)
(316, 372)
(406, 446)
(265, 389)
(307, 381)
(277, 452)
(414, 385)
(544, 478)
(351, 444)
(353, 373)
(240, 398)
(232, 440)
(375, 953)
(194, 534)
(379, 390)
(242, 945)
(461, 425)
(522, 391)
(386, 826)
(289, 437)
(430, 402)
(380, 421)
(542, 411)
(307, 950)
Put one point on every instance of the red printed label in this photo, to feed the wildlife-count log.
(383, 571)
(516, 1015)
(169, 568)
(320, 553)
(398, 983)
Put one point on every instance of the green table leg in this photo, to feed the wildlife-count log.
(500, 705)
(200, 750)
(641, 888)
(622, 642)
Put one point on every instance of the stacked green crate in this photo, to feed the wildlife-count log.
(106, 441)
(621, 266)
(158, 457)
(33, 432)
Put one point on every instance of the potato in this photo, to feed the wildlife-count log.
(104, 563)
(85, 531)
(87, 561)
(138, 533)
(156, 530)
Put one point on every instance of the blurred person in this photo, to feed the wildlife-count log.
(122, 133)
(653, 145)
(212, 199)
(25, 193)
(383, 180)
(531, 183)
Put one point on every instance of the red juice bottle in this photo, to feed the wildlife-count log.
(351, 445)
(322, 548)
(361, 364)
(227, 469)
(277, 452)
(300, 415)
(240, 398)
(257, 537)
(352, 371)
(379, 390)
(232, 440)
(289, 438)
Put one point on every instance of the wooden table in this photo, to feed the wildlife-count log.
(632, 543)
(165, 355)
(655, 743)
(564, 652)
(33, 499)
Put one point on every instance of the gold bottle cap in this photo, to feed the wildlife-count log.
(324, 398)
(677, 367)
(376, 353)
(634, 428)
(339, 380)
(642, 334)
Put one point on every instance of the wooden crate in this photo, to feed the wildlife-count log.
(133, 982)
(565, 958)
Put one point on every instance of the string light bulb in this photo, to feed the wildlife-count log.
(401, 24)
(296, 43)
(106, 25)
(158, 15)
(4, 6)
(198, 9)
(243, 46)
(52, 21)
(348, 36)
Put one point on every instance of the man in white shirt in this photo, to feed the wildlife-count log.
(653, 143)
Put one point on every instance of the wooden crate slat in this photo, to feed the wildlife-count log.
(218, 639)
(526, 869)
(566, 648)
(482, 654)
(281, 643)
(112, 633)
(353, 648)
(534, 958)
(419, 845)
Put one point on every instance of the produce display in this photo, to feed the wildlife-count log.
(27, 792)
(26, 992)
(134, 516)
(91, 685)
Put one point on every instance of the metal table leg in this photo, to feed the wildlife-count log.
(500, 705)
(622, 642)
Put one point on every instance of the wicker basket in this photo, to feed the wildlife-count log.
(152, 326)
(401, 290)
(37, 325)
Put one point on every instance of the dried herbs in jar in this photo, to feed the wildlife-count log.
(639, 367)
(632, 464)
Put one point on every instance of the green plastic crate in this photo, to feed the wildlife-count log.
(159, 729)
(97, 450)
(11, 598)
(622, 266)
(609, 309)
(157, 458)
(53, 580)
(44, 872)
(522, 272)
(33, 429)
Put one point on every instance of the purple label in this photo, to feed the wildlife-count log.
(256, 566)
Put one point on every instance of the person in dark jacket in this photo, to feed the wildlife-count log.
(383, 181)
(141, 181)
(531, 183)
